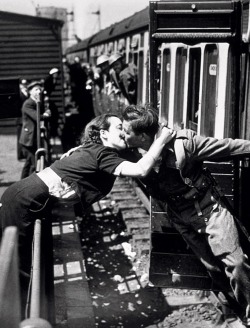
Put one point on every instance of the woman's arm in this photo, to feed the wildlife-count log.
(145, 164)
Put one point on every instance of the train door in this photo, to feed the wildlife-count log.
(200, 46)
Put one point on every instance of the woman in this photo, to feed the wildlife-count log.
(87, 176)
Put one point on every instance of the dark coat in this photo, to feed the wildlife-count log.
(28, 136)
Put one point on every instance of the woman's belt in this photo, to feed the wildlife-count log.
(57, 187)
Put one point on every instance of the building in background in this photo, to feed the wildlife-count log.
(69, 36)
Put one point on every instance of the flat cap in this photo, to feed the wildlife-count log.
(53, 70)
(34, 84)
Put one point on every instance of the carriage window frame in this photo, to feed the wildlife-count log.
(209, 90)
(193, 88)
(140, 77)
(165, 83)
(180, 68)
(229, 125)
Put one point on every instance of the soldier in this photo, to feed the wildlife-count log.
(191, 200)
(124, 77)
(101, 76)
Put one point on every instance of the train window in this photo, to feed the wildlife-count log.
(135, 41)
(110, 47)
(229, 125)
(121, 45)
(209, 91)
(181, 59)
(165, 83)
(140, 76)
(135, 58)
(130, 57)
(142, 40)
(193, 88)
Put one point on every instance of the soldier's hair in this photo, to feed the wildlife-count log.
(91, 132)
(143, 119)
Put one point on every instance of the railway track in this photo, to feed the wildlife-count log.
(128, 205)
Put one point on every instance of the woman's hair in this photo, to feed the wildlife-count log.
(143, 119)
(91, 132)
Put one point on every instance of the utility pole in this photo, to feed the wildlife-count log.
(98, 13)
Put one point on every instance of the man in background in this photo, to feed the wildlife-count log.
(28, 137)
(124, 77)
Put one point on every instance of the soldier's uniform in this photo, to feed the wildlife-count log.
(197, 210)
(128, 82)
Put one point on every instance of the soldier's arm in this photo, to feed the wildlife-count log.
(206, 148)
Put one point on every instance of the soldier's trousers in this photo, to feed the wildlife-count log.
(214, 238)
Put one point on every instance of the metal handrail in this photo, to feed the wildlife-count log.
(35, 295)
(10, 307)
(40, 159)
(36, 273)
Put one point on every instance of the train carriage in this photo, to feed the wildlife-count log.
(201, 51)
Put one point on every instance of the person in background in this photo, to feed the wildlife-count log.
(78, 79)
(102, 85)
(49, 87)
(124, 77)
(101, 76)
(51, 81)
(28, 136)
(86, 110)
(24, 94)
(193, 203)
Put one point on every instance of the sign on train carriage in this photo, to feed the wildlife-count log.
(196, 69)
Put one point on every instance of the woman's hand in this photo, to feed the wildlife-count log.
(165, 134)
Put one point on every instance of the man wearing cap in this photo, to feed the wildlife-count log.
(102, 84)
(28, 137)
(102, 74)
(49, 87)
(51, 80)
(124, 77)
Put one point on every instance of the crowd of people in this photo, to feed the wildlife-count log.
(114, 75)
(110, 76)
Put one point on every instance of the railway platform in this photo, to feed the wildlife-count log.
(73, 304)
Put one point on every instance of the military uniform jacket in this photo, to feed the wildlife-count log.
(128, 82)
(181, 168)
(28, 136)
